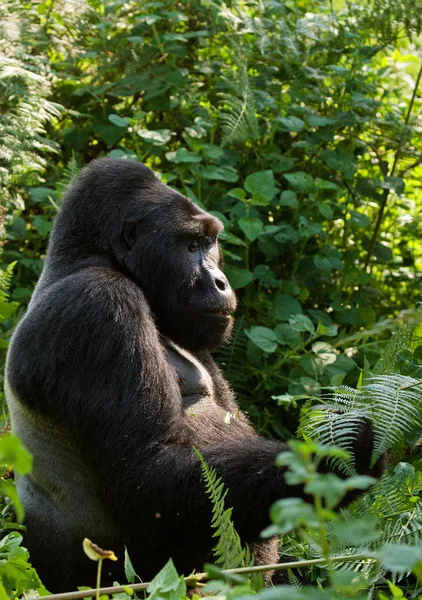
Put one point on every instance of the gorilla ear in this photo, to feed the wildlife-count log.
(129, 233)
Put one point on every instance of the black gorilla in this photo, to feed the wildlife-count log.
(110, 384)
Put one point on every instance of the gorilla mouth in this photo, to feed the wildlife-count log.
(222, 314)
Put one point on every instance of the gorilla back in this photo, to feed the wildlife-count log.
(110, 384)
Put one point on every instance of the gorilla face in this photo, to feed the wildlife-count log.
(175, 258)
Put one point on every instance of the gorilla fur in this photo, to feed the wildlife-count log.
(110, 384)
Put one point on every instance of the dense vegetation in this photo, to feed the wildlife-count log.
(298, 124)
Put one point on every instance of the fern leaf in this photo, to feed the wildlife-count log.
(7, 308)
(237, 109)
(229, 552)
(396, 403)
(69, 173)
(392, 402)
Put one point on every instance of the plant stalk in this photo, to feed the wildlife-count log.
(192, 580)
(100, 564)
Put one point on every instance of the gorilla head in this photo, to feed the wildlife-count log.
(160, 239)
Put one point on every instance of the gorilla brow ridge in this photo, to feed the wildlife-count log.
(199, 225)
(210, 225)
(192, 220)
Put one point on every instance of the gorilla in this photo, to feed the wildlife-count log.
(110, 384)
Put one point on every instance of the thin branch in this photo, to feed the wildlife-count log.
(192, 580)
(393, 169)
(413, 165)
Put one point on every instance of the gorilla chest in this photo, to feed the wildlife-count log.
(195, 382)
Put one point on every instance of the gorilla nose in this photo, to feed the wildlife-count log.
(221, 282)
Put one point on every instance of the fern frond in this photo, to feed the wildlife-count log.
(6, 280)
(396, 405)
(392, 402)
(69, 173)
(337, 422)
(229, 552)
(237, 109)
(294, 580)
(7, 308)
(237, 117)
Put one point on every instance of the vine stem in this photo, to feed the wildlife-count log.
(386, 193)
(192, 580)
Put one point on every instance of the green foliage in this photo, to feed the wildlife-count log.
(392, 402)
(16, 573)
(12, 453)
(167, 584)
(8, 309)
(228, 552)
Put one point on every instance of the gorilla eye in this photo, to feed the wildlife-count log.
(193, 246)
(209, 242)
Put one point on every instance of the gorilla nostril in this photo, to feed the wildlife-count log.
(221, 284)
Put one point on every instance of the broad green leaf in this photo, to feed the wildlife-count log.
(238, 277)
(286, 334)
(150, 19)
(289, 198)
(129, 568)
(262, 186)
(399, 558)
(213, 152)
(327, 486)
(156, 137)
(394, 183)
(8, 488)
(42, 194)
(326, 353)
(324, 185)
(356, 531)
(118, 121)
(290, 514)
(237, 193)
(286, 306)
(220, 173)
(266, 276)
(251, 227)
(318, 121)
(182, 155)
(167, 584)
(300, 181)
(326, 210)
(301, 323)
(293, 124)
(42, 225)
(122, 153)
(382, 252)
(264, 338)
(322, 263)
(286, 234)
(358, 219)
(7, 309)
(326, 330)
(12, 452)
(135, 39)
(341, 161)
(109, 133)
